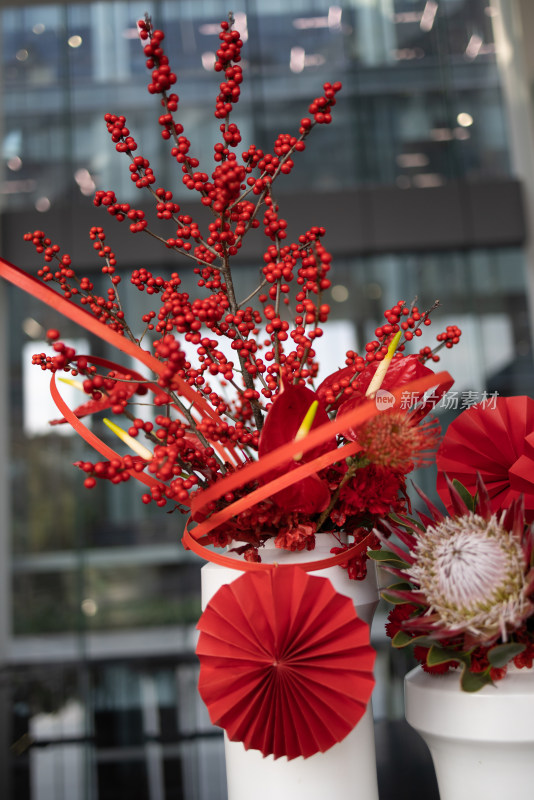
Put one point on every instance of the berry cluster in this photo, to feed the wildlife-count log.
(228, 56)
(108, 309)
(156, 60)
(57, 363)
(450, 336)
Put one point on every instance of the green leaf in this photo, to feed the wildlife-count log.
(388, 557)
(391, 598)
(439, 655)
(401, 639)
(406, 524)
(501, 654)
(469, 499)
(381, 555)
(474, 681)
(424, 640)
(402, 586)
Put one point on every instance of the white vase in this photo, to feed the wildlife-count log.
(348, 769)
(482, 743)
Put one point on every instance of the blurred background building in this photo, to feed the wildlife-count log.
(424, 183)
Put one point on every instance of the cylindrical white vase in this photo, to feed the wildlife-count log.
(482, 743)
(348, 769)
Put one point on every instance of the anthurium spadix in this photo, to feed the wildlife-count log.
(293, 414)
(71, 382)
(132, 443)
(306, 426)
(380, 374)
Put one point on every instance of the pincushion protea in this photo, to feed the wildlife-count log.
(469, 582)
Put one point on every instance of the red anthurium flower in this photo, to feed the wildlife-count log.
(282, 423)
(401, 371)
(285, 418)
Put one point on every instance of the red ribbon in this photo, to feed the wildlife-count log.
(253, 471)
(190, 543)
(83, 431)
(86, 320)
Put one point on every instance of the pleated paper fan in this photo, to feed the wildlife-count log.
(497, 441)
(285, 662)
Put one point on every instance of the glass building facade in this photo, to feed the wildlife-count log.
(421, 103)
(98, 601)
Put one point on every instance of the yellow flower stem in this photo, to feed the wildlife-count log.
(380, 373)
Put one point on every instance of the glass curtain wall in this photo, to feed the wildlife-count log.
(101, 699)
(421, 103)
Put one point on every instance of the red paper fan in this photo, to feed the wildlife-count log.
(496, 440)
(285, 663)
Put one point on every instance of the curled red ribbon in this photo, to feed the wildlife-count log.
(88, 435)
(252, 471)
(190, 543)
(86, 320)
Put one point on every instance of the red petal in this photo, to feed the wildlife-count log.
(285, 418)
(310, 495)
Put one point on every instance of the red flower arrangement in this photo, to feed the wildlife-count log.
(466, 592)
(280, 458)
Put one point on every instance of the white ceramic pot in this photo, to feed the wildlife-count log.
(348, 769)
(482, 743)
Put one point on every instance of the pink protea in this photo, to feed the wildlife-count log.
(470, 574)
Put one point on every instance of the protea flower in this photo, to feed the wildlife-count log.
(469, 576)
(393, 439)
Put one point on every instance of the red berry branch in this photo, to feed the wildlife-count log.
(252, 367)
